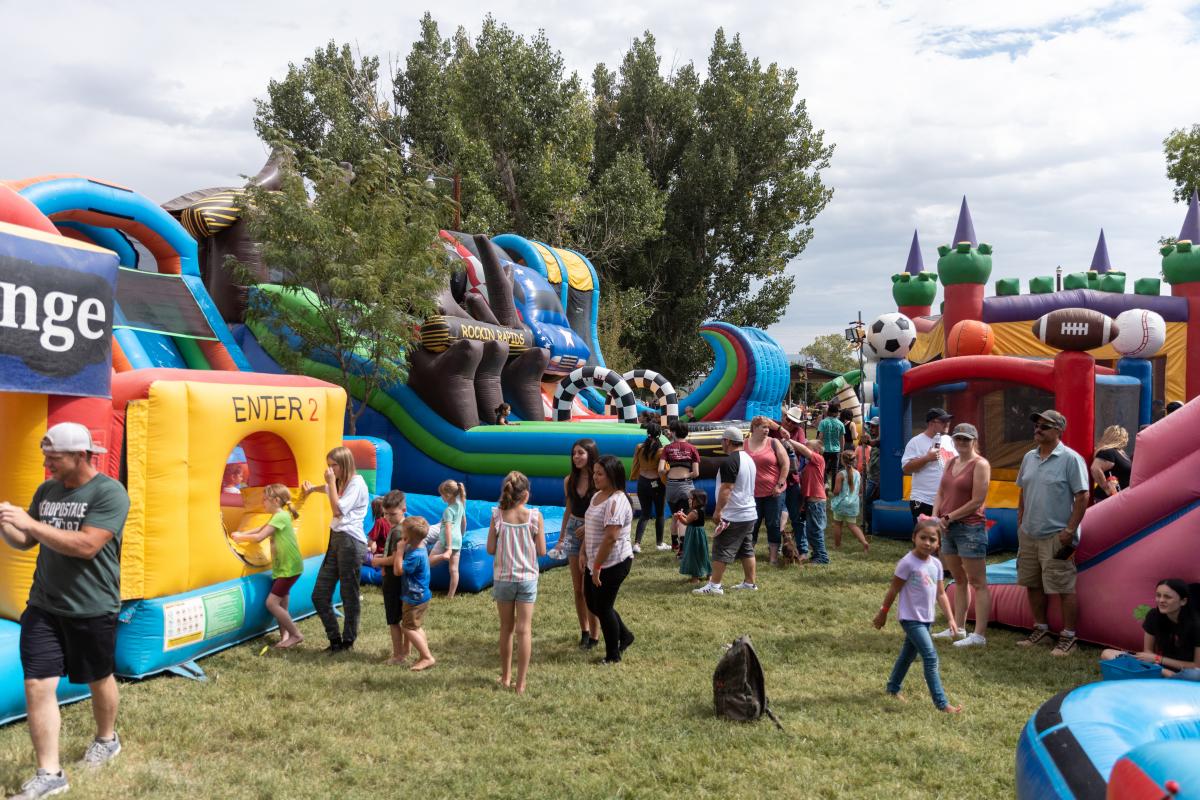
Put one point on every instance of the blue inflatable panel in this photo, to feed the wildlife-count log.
(12, 677)
(1069, 747)
(893, 520)
(155, 635)
(1002, 574)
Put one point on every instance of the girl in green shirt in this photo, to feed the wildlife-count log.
(286, 563)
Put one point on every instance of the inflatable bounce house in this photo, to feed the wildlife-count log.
(516, 323)
(140, 356)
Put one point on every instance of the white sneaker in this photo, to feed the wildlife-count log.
(637, 548)
(947, 634)
(974, 640)
(749, 587)
(663, 546)
(709, 588)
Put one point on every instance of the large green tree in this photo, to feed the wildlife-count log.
(832, 352)
(1182, 152)
(739, 162)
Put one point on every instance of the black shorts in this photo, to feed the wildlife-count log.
(393, 609)
(82, 648)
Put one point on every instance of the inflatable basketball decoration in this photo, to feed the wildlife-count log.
(1075, 329)
(970, 337)
(1140, 333)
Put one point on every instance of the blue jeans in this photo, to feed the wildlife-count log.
(793, 501)
(769, 509)
(814, 530)
(918, 641)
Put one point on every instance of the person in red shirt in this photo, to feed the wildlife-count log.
(812, 485)
(678, 466)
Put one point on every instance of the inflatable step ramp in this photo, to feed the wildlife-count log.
(1122, 739)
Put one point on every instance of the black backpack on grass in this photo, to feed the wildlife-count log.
(739, 690)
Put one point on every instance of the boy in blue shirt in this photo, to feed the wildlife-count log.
(415, 592)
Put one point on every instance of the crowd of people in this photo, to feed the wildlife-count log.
(78, 514)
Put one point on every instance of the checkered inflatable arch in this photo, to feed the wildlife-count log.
(602, 378)
(665, 397)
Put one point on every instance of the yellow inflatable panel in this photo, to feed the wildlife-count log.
(22, 425)
(1001, 494)
(553, 273)
(578, 274)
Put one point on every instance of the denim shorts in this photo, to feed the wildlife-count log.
(515, 591)
(569, 542)
(966, 540)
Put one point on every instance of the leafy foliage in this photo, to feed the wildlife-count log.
(359, 263)
(1182, 151)
(832, 352)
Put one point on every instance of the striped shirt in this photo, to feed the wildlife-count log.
(613, 511)
(516, 548)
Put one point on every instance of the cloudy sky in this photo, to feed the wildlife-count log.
(1049, 117)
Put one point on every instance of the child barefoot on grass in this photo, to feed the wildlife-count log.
(454, 524)
(696, 561)
(918, 581)
(416, 594)
(389, 558)
(286, 563)
(516, 538)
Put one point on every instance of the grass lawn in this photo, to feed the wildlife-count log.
(304, 725)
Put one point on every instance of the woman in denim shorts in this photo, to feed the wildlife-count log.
(959, 505)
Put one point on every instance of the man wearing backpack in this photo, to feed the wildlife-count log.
(734, 515)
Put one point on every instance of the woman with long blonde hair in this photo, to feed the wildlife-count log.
(348, 499)
(1111, 466)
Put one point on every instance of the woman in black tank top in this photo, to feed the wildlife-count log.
(578, 491)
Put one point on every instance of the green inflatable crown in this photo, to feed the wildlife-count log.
(964, 264)
(1181, 263)
(914, 290)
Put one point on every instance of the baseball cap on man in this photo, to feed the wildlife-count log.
(70, 437)
(874, 422)
(795, 414)
(939, 414)
(733, 433)
(1050, 417)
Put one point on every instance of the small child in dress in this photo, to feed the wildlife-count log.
(393, 508)
(918, 581)
(454, 525)
(695, 561)
(847, 502)
(415, 593)
(377, 536)
(516, 538)
(286, 562)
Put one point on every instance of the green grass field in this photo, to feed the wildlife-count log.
(304, 725)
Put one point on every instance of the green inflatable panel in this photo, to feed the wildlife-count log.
(1076, 280)
(1112, 282)
(1150, 287)
(1042, 285)
(1008, 287)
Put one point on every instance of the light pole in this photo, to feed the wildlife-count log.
(456, 189)
(856, 335)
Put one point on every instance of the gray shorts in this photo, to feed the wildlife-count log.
(571, 538)
(515, 591)
(965, 540)
(734, 543)
(679, 492)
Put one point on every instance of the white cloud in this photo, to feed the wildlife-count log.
(1048, 116)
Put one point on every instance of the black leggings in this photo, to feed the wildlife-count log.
(652, 496)
(600, 600)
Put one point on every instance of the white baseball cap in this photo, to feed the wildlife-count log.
(70, 437)
(733, 433)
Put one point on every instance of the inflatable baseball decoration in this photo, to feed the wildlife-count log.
(892, 335)
(1075, 329)
(1140, 333)
(970, 337)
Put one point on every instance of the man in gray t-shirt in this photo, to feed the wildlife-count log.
(69, 624)
(1054, 489)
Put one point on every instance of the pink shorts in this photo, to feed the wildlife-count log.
(280, 587)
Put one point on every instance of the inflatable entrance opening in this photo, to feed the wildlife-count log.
(258, 461)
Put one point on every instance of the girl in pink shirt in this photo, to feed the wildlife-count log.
(516, 538)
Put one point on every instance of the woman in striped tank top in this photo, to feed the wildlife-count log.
(516, 538)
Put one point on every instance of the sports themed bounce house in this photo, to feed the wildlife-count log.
(1101, 357)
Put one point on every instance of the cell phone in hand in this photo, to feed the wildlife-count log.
(937, 441)
(721, 526)
(1064, 552)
